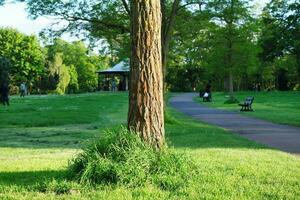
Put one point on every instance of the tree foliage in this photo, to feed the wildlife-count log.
(60, 66)
(25, 54)
(280, 41)
(81, 64)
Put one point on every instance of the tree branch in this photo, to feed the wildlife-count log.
(108, 25)
(190, 3)
(169, 24)
(126, 6)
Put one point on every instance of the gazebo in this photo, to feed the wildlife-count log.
(115, 78)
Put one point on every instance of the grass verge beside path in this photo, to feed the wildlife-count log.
(275, 106)
(33, 159)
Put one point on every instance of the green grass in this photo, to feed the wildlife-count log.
(52, 110)
(35, 150)
(278, 107)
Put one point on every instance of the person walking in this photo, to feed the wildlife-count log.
(113, 85)
(23, 89)
(4, 94)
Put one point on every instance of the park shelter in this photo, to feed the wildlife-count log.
(114, 78)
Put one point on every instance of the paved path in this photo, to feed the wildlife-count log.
(283, 137)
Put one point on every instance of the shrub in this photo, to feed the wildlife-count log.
(231, 100)
(120, 157)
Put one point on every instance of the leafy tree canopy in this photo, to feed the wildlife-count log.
(25, 54)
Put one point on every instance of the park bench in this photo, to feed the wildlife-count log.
(247, 105)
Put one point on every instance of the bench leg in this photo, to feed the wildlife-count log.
(242, 109)
(251, 109)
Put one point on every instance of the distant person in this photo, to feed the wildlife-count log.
(120, 86)
(208, 87)
(113, 85)
(254, 87)
(258, 87)
(23, 89)
(207, 92)
(4, 94)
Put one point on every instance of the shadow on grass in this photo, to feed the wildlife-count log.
(68, 137)
(30, 178)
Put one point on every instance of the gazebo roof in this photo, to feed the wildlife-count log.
(121, 67)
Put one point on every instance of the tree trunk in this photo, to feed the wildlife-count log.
(230, 74)
(230, 52)
(298, 63)
(231, 84)
(167, 27)
(145, 114)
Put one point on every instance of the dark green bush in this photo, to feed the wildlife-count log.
(231, 100)
(120, 157)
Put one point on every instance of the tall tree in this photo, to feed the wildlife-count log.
(145, 114)
(25, 54)
(230, 16)
(58, 69)
(281, 31)
(76, 54)
(188, 46)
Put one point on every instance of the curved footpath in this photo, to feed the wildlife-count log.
(283, 137)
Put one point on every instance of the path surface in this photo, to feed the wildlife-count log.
(283, 137)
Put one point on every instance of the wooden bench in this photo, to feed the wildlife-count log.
(247, 105)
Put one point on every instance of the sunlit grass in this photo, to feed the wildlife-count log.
(35, 150)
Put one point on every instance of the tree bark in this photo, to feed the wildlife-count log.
(145, 114)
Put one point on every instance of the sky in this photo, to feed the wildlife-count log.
(15, 16)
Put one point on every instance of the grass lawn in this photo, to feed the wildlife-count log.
(278, 107)
(38, 135)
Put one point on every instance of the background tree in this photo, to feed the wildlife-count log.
(73, 84)
(280, 39)
(230, 16)
(85, 64)
(199, 48)
(25, 54)
(186, 67)
(61, 71)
